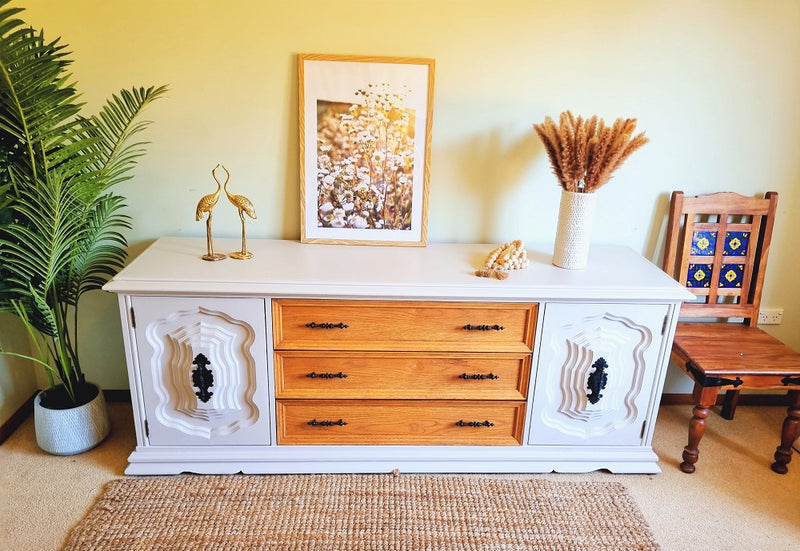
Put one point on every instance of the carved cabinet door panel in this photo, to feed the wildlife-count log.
(597, 373)
(203, 370)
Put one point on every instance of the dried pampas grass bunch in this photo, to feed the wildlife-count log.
(585, 152)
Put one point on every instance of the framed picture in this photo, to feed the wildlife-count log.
(365, 135)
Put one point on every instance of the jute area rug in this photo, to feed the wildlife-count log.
(361, 512)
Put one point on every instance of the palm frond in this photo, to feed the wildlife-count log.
(5, 200)
(101, 253)
(114, 127)
(61, 229)
(38, 252)
(37, 103)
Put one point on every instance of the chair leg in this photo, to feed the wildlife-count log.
(704, 397)
(729, 405)
(790, 432)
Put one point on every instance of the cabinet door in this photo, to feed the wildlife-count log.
(203, 369)
(596, 373)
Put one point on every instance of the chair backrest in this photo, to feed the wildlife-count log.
(717, 246)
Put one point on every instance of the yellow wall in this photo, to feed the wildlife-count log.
(716, 85)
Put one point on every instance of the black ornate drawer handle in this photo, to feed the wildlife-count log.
(315, 325)
(478, 376)
(462, 423)
(790, 381)
(315, 375)
(315, 423)
(495, 327)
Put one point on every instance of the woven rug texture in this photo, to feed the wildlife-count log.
(361, 512)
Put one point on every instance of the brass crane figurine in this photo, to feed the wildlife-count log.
(244, 206)
(205, 205)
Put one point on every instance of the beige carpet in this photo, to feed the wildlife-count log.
(361, 512)
(734, 501)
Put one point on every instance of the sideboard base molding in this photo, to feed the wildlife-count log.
(383, 459)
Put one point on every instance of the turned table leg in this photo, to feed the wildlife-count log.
(790, 432)
(704, 397)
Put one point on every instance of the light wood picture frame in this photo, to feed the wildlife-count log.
(365, 137)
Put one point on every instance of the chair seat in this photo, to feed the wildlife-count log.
(727, 350)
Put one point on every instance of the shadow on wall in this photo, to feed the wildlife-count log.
(17, 376)
(290, 226)
(477, 176)
(654, 245)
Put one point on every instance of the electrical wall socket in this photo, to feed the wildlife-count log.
(770, 316)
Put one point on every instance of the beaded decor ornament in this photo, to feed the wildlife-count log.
(508, 256)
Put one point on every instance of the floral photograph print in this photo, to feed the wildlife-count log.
(365, 127)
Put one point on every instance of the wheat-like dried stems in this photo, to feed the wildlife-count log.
(566, 144)
(585, 153)
(623, 144)
(566, 134)
(617, 138)
(591, 125)
(635, 143)
(597, 158)
(582, 148)
(548, 133)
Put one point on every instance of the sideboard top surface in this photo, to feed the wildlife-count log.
(172, 265)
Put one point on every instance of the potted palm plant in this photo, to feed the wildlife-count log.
(60, 222)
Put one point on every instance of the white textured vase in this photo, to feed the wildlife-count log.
(71, 431)
(573, 235)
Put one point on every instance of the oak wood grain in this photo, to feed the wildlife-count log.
(400, 422)
(403, 325)
(311, 374)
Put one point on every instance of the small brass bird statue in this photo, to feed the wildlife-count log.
(244, 206)
(205, 206)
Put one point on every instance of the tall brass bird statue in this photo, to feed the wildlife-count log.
(244, 206)
(206, 205)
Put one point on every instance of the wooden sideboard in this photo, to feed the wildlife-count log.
(335, 358)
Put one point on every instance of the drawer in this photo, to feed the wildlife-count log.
(397, 326)
(400, 422)
(495, 376)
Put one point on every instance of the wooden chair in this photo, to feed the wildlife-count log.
(717, 245)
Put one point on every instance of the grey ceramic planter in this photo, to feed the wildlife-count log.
(71, 431)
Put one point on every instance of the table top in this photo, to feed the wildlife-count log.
(173, 265)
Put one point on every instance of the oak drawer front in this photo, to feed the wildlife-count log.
(412, 326)
(495, 376)
(399, 422)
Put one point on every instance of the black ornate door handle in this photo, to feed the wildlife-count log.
(495, 327)
(326, 325)
(315, 375)
(462, 423)
(597, 380)
(202, 378)
(315, 423)
(478, 376)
